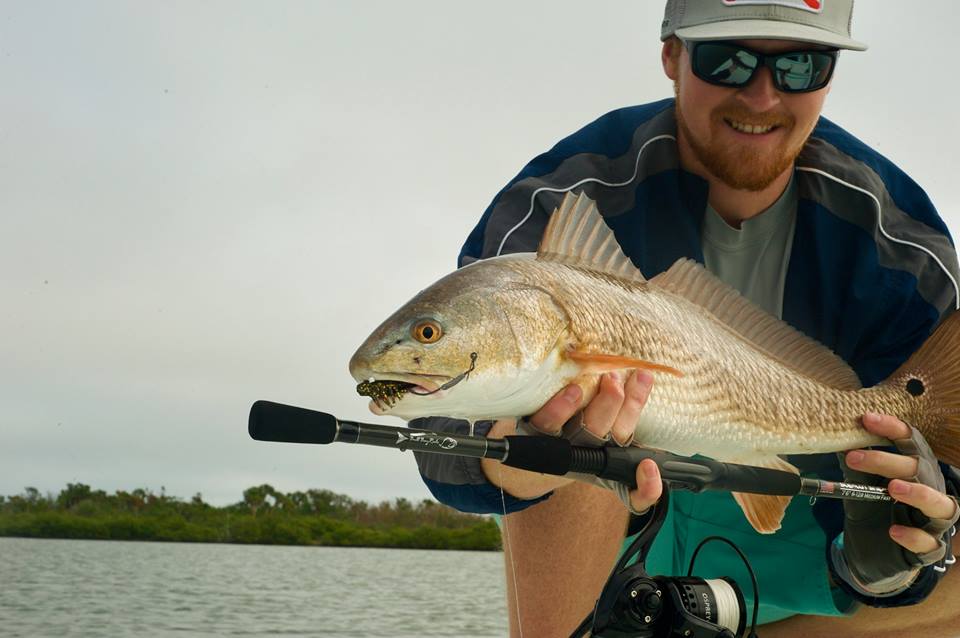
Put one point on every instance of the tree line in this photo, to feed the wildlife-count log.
(264, 516)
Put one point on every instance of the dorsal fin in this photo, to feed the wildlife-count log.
(791, 347)
(577, 235)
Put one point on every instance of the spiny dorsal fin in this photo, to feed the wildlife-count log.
(577, 235)
(778, 339)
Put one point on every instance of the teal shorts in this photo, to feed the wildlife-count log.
(790, 565)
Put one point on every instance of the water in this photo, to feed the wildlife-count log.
(129, 589)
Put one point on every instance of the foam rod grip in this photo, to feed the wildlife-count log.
(271, 421)
(545, 454)
(759, 480)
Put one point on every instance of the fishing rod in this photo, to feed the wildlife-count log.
(278, 422)
(632, 603)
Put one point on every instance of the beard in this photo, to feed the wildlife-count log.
(742, 167)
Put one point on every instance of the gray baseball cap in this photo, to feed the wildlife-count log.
(824, 22)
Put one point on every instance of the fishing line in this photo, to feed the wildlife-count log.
(753, 576)
(506, 541)
(454, 381)
(386, 393)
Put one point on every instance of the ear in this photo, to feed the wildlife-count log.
(670, 57)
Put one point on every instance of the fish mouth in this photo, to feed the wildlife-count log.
(386, 389)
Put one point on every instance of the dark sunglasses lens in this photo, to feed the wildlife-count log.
(723, 64)
(803, 70)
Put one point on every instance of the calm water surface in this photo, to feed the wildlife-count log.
(128, 589)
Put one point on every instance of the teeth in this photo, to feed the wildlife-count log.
(750, 128)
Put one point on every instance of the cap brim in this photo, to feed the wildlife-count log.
(767, 30)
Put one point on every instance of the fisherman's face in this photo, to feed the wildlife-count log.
(709, 116)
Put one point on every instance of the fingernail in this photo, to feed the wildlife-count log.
(572, 393)
(650, 470)
(855, 458)
(639, 389)
(645, 379)
(897, 531)
(900, 488)
(871, 417)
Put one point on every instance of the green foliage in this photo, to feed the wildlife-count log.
(264, 516)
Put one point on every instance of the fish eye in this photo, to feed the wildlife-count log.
(427, 332)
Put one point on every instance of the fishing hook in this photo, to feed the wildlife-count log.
(454, 381)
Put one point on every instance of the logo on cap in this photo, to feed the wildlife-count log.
(816, 6)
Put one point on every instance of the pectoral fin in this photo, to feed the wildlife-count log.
(765, 512)
(593, 362)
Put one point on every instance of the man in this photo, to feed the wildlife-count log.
(742, 174)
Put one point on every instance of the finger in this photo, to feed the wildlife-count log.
(600, 413)
(558, 410)
(502, 428)
(916, 540)
(884, 425)
(931, 502)
(635, 393)
(649, 487)
(882, 463)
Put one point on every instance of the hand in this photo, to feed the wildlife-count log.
(614, 411)
(932, 502)
(884, 545)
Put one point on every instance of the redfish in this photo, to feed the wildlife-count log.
(499, 337)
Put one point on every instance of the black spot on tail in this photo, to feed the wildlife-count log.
(915, 387)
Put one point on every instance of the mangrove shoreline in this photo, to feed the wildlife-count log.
(265, 516)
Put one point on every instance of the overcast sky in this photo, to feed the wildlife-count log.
(204, 204)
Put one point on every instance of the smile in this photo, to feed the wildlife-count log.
(750, 129)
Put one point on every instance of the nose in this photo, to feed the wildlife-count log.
(760, 94)
(360, 364)
(355, 365)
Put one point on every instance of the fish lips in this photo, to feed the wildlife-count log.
(427, 382)
(419, 385)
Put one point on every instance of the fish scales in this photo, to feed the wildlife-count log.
(723, 376)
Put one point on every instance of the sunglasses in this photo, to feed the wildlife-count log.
(731, 65)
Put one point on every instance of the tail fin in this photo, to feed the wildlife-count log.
(931, 381)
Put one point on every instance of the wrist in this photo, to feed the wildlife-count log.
(885, 586)
(518, 483)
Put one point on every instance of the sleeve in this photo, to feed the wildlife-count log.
(459, 481)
